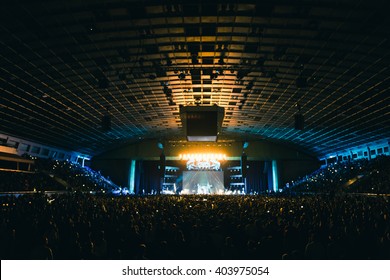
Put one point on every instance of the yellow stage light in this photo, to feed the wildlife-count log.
(202, 157)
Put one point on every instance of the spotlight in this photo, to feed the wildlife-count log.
(301, 82)
(106, 123)
(260, 61)
(166, 90)
(249, 86)
(194, 59)
(299, 122)
(240, 74)
(181, 76)
(122, 76)
(103, 83)
(197, 100)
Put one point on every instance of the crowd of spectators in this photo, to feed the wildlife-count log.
(54, 175)
(376, 179)
(363, 175)
(318, 220)
(11, 181)
(85, 226)
(76, 176)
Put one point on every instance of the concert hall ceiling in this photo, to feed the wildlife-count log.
(64, 65)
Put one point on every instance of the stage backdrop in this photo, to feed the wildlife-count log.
(203, 182)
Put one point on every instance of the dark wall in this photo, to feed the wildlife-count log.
(147, 177)
(116, 169)
(257, 177)
(292, 169)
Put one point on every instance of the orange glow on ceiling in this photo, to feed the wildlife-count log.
(202, 157)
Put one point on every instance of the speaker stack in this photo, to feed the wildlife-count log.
(244, 165)
(299, 122)
(106, 123)
(162, 165)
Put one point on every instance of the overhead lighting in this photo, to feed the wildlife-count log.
(202, 157)
(299, 119)
(249, 86)
(106, 123)
(197, 100)
(194, 58)
(168, 61)
(299, 123)
(219, 71)
(181, 76)
(301, 82)
(201, 123)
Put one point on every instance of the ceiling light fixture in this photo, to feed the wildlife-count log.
(181, 76)
(299, 119)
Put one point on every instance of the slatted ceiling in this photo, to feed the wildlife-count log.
(66, 51)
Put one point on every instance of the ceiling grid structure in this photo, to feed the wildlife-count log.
(66, 64)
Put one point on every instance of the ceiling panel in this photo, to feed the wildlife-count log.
(66, 64)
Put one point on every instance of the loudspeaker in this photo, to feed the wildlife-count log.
(202, 125)
(301, 82)
(299, 122)
(162, 165)
(103, 83)
(106, 123)
(243, 165)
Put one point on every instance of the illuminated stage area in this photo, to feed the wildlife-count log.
(203, 182)
(204, 173)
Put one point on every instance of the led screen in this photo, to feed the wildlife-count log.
(203, 182)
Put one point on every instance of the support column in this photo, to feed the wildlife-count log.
(369, 153)
(275, 180)
(132, 176)
(162, 172)
(244, 162)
